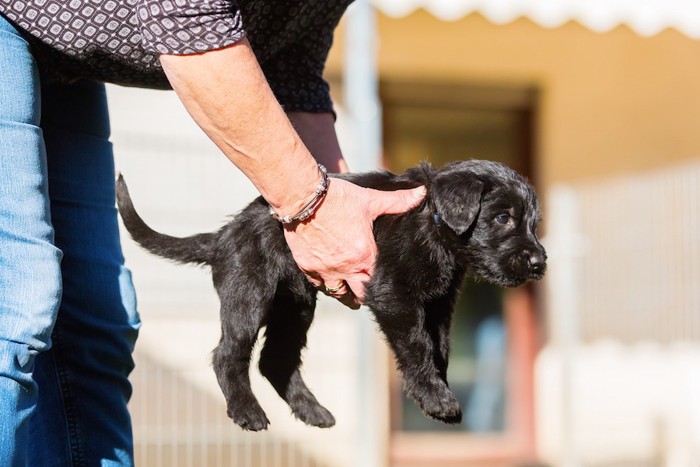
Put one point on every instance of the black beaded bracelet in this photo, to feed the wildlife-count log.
(309, 208)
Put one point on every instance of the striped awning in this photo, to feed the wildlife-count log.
(646, 17)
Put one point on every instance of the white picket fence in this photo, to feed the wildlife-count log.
(619, 377)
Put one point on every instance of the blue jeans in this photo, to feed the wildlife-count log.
(68, 319)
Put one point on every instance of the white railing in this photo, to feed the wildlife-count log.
(617, 379)
(639, 278)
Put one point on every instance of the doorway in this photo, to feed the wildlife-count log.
(494, 330)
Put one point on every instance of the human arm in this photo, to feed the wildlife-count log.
(227, 95)
(317, 131)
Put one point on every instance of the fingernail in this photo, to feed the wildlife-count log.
(419, 192)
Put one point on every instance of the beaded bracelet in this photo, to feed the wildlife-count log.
(309, 208)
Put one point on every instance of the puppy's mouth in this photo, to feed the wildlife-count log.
(529, 264)
(537, 274)
(503, 278)
(517, 271)
(515, 280)
(511, 282)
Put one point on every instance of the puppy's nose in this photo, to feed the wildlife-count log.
(537, 263)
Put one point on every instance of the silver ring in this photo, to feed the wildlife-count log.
(334, 289)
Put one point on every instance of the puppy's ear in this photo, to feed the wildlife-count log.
(457, 200)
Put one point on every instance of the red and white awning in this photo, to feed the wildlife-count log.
(646, 17)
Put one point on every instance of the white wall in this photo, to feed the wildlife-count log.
(636, 403)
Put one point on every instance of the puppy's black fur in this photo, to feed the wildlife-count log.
(478, 217)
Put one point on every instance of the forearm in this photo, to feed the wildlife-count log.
(227, 95)
(317, 131)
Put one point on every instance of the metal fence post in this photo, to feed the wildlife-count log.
(565, 245)
(364, 114)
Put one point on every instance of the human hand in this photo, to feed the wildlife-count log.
(336, 248)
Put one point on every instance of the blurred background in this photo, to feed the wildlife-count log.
(598, 103)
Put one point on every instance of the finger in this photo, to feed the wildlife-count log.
(346, 297)
(396, 202)
(335, 291)
(358, 290)
(315, 281)
(350, 301)
(343, 294)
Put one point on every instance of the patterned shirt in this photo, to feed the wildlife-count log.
(118, 41)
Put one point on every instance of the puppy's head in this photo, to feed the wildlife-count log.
(495, 212)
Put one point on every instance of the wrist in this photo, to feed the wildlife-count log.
(315, 199)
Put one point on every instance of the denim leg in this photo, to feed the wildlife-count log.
(30, 282)
(63, 395)
(87, 367)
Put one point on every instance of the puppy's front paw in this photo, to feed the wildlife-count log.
(250, 417)
(439, 403)
(306, 408)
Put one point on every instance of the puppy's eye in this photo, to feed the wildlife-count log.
(502, 218)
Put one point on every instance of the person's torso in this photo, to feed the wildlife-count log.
(101, 40)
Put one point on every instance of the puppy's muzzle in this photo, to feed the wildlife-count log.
(537, 264)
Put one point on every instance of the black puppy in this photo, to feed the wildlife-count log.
(478, 217)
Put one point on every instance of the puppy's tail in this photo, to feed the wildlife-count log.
(194, 249)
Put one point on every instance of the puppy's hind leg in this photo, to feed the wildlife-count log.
(242, 313)
(280, 358)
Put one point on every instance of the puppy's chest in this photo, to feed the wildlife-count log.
(418, 267)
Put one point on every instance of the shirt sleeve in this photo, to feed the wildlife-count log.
(297, 81)
(183, 27)
(295, 73)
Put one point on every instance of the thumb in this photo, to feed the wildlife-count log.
(396, 202)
